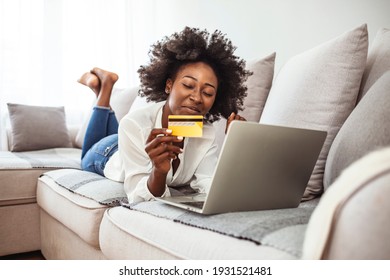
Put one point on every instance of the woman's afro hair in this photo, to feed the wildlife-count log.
(194, 45)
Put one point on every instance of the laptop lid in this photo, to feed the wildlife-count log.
(260, 167)
(263, 167)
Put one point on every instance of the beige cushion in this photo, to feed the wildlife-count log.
(129, 234)
(19, 186)
(352, 221)
(366, 129)
(80, 214)
(19, 172)
(378, 60)
(122, 99)
(317, 90)
(37, 128)
(259, 85)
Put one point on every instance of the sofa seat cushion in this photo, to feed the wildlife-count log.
(80, 214)
(128, 234)
(251, 225)
(19, 172)
(90, 185)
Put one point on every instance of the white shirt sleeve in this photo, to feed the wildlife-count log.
(135, 161)
(204, 172)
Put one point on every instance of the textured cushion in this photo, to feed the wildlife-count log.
(378, 60)
(351, 221)
(127, 234)
(90, 185)
(317, 90)
(366, 129)
(259, 85)
(37, 128)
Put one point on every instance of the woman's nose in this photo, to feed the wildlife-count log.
(196, 96)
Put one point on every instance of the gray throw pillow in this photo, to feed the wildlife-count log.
(259, 85)
(317, 89)
(37, 128)
(365, 130)
(378, 60)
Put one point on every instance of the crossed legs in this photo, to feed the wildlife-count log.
(101, 83)
(103, 121)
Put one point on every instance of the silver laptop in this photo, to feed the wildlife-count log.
(260, 167)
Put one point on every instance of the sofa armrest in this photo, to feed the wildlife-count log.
(351, 220)
(362, 229)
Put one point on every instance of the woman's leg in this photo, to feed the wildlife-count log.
(103, 121)
(107, 80)
(100, 125)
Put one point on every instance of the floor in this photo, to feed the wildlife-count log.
(36, 255)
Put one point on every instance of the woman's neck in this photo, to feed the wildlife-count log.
(164, 116)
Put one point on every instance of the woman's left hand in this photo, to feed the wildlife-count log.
(233, 117)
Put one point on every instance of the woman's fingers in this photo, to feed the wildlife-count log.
(161, 149)
(172, 150)
(233, 117)
(238, 117)
(158, 132)
(160, 135)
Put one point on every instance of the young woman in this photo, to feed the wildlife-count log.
(191, 72)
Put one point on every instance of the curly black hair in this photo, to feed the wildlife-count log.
(195, 45)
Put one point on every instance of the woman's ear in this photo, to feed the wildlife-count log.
(168, 86)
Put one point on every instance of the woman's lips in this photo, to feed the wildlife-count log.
(192, 110)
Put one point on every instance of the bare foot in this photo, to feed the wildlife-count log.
(107, 80)
(90, 80)
(105, 76)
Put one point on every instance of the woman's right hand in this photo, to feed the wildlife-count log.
(161, 149)
(233, 117)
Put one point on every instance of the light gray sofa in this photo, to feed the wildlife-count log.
(71, 214)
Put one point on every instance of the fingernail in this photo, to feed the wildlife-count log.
(181, 150)
(180, 138)
(168, 130)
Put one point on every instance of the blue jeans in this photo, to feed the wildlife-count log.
(101, 140)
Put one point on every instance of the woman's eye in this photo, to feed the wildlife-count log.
(188, 86)
(207, 94)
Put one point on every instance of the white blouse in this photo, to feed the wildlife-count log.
(132, 165)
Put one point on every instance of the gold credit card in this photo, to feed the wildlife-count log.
(186, 125)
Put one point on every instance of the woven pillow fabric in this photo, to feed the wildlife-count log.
(318, 90)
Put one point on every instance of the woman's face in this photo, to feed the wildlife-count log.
(193, 91)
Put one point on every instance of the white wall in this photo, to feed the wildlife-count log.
(259, 27)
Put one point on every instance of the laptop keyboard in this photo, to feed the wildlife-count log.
(196, 204)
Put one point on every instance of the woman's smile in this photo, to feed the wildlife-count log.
(192, 110)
